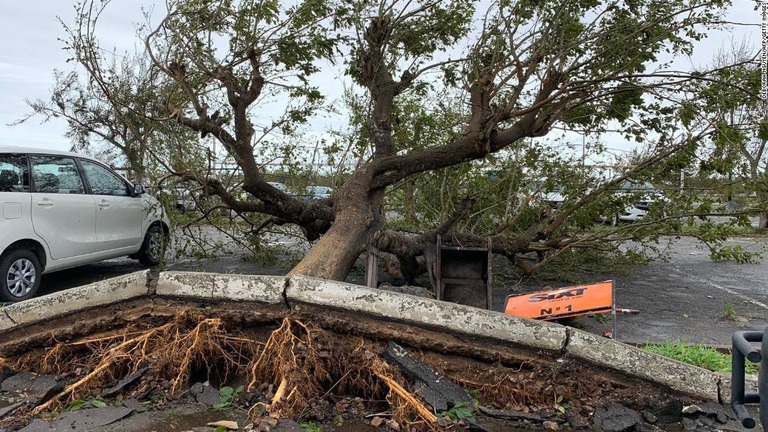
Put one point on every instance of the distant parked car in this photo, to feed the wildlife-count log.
(183, 200)
(280, 186)
(317, 192)
(647, 197)
(553, 196)
(60, 210)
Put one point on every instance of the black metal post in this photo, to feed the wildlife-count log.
(762, 383)
(743, 350)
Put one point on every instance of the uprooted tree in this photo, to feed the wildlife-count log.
(436, 92)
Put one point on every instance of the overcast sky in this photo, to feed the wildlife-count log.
(30, 50)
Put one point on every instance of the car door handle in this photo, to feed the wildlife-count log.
(45, 202)
(104, 204)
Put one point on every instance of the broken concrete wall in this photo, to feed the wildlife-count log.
(416, 312)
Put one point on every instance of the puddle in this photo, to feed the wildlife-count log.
(184, 422)
(177, 418)
(184, 418)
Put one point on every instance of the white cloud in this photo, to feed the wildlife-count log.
(31, 49)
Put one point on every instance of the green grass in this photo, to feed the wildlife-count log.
(697, 355)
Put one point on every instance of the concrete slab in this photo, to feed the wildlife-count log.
(427, 312)
(417, 311)
(214, 286)
(750, 386)
(687, 379)
(100, 293)
(30, 383)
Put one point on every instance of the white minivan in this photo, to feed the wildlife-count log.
(60, 210)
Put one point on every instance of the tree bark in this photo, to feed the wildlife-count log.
(358, 217)
(335, 253)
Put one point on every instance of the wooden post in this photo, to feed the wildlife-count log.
(372, 267)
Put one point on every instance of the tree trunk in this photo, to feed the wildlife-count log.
(359, 215)
(335, 252)
(762, 220)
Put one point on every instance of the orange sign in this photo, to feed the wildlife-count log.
(565, 302)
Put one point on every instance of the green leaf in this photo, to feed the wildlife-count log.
(460, 411)
(310, 427)
(98, 404)
(76, 405)
(762, 132)
(226, 393)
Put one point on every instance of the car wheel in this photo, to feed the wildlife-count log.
(153, 247)
(21, 271)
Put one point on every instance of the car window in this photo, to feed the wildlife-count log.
(14, 173)
(56, 174)
(103, 181)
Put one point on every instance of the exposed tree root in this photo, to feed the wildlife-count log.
(295, 367)
(404, 403)
(298, 365)
(188, 342)
(111, 358)
(291, 359)
(500, 386)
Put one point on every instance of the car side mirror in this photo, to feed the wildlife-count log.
(138, 189)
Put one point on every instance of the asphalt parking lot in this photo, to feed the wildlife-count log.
(691, 298)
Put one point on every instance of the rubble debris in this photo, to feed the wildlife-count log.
(671, 412)
(721, 413)
(125, 382)
(30, 383)
(134, 404)
(285, 425)
(10, 409)
(711, 416)
(509, 415)
(691, 409)
(436, 390)
(205, 394)
(616, 418)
